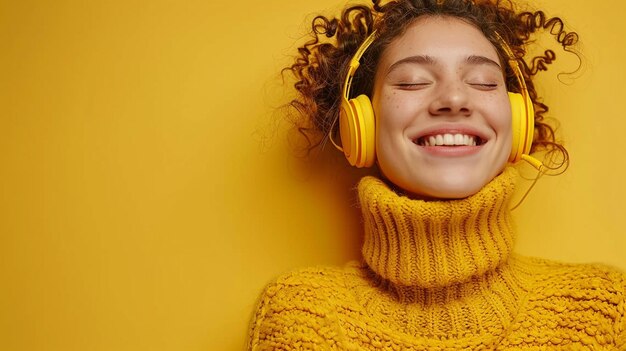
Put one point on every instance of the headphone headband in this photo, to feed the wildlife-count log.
(355, 62)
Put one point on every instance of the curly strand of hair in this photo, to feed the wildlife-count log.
(540, 63)
(360, 17)
(565, 38)
(322, 25)
(554, 25)
(376, 5)
(303, 70)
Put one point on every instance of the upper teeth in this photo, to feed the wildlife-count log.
(448, 139)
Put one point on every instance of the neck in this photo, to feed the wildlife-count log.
(436, 244)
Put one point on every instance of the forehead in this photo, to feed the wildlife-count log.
(444, 38)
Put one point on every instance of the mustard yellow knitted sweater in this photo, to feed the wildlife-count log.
(440, 275)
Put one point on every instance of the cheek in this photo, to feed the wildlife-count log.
(500, 116)
(506, 122)
(390, 122)
(394, 111)
(385, 111)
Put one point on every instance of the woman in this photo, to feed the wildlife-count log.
(437, 96)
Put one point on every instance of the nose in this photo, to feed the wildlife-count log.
(451, 98)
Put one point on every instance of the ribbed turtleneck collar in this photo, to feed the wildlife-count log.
(433, 244)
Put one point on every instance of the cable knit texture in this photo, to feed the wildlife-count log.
(441, 275)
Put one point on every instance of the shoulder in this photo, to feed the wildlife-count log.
(300, 305)
(587, 296)
(578, 281)
(595, 276)
(313, 276)
(317, 287)
(318, 281)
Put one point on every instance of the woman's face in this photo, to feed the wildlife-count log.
(442, 110)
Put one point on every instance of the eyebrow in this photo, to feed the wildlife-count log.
(419, 59)
(480, 60)
(431, 61)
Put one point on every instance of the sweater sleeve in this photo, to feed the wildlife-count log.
(291, 318)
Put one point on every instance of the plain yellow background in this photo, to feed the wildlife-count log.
(144, 203)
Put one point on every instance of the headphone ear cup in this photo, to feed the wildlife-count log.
(523, 123)
(347, 131)
(367, 138)
(357, 129)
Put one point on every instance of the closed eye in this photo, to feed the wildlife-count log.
(486, 86)
(412, 86)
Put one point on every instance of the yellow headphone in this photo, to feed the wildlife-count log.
(357, 122)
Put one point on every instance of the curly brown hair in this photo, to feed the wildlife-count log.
(322, 63)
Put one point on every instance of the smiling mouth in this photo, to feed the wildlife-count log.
(449, 140)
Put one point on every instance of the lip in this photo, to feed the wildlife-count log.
(451, 129)
(451, 151)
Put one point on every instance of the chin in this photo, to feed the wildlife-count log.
(454, 191)
(456, 184)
